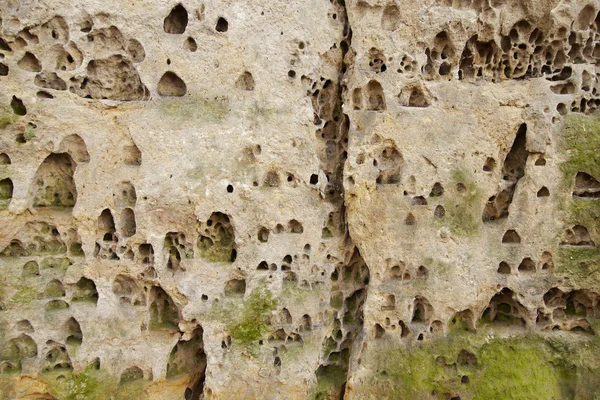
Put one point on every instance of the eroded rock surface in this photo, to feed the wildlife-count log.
(318, 199)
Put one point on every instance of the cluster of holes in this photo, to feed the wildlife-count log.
(111, 75)
(332, 133)
(42, 239)
(216, 241)
(408, 66)
(568, 311)
(505, 310)
(55, 186)
(45, 240)
(285, 267)
(348, 295)
(110, 244)
(177, 248)
(527, 265)
(526, 51)
(293, 226)
(376, 60)
(370, 97)
(577, 235)
(421, 320)
(400, 271)
(389, 166)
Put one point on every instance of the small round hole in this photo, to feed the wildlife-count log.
(222, 25)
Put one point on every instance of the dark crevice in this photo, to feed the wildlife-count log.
(189, 358)
(350, 279)
(349, 287)
(512, 171)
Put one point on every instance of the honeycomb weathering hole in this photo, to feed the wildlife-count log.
(177, 20)
(53, 183)
(170, 85)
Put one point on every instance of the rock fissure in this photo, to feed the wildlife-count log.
(350, 282)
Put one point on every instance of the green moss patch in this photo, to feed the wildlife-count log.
(581, 264)
(92, 384)
(6, 116)
(58, 264)
(476, 366)
(216, 251)
(580, 141)
(24, 295)
(330, 382)
(246, 320)
(516, 369)
(254, 318)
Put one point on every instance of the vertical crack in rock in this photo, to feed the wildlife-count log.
(348, 294)
(350, 279)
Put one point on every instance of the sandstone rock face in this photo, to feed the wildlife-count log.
(290, 200)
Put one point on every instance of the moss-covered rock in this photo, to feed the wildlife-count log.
(24, 295)
(7, 117)
(91, 384)
(581, 264)
(578, 141)
(246, 320)
(480, 366)
(330, 382)
(255, 316)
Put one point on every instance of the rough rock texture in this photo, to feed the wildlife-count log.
(299, 199)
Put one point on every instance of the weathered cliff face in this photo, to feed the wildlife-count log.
(470, 186)
(318, 199)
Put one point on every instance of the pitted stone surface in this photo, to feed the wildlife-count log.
(322, 199)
